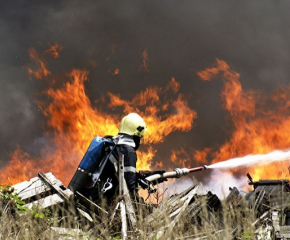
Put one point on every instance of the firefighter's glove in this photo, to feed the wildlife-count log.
(160, 180)
(145, 184)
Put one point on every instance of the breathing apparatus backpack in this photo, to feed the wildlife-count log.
(96, 171)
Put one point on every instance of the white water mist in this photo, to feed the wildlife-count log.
(250, 160)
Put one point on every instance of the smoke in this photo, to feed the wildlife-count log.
(180, 39)
(220, 183)
(18, 111)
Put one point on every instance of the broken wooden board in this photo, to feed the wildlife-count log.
(49, 201)
(46, 191)
(169, 213)
(36, 192)
(35, 186)
(69, 233)
(186, 205)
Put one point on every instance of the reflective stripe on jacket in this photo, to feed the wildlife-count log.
(130, 159)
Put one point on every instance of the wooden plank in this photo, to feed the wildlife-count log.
(51, 185)
(89, 204)
(35, 186)
(185, 201)
(22, 185)
(174, 201)
(170, 206)
(66, 231)
(49, 200)
(124, 202)
(166, 230)
(265, 215)
(85, 214)
(41, 188)
(121, 201)
(124, 220)
(124, 192)
(259, 199)
(284, 232)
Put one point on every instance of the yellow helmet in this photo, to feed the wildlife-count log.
(133, 125)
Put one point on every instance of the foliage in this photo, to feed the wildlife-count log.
(11, 200)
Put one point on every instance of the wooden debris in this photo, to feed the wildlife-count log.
(269, 200)
(67, 233)
(188, 203)
(49, 201)
(36, 187)
(89, 205)
(40, 191)
(124, 203)
(56, 188)
(85, 214)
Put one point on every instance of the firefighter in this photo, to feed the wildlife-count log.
(95, 177)
(131, 135)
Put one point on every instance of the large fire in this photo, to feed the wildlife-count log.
(260, 122)
(73, 122)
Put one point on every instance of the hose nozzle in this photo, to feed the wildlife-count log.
(197, 169)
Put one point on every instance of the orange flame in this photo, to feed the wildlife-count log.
(115, 72)
(53, 50)
(38, 71)
(180, 158)
(201, 156)
(72, 122)
(260, 122)
(144, 66)
(183, 158)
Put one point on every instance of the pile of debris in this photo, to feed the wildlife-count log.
(270, 201)
(192, 214)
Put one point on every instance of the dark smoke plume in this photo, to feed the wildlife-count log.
(179, 37)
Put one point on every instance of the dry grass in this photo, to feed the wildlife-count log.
(229, 221)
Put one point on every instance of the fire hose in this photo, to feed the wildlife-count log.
(176, 173)
(149, 179)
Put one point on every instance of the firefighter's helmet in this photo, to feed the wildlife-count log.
(133, 125)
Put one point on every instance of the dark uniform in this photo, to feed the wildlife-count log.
(130, 159)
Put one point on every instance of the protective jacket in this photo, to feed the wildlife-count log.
(126, 146)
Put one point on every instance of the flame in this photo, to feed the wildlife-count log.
(19, 158)
(116, 72)
(37, 68)
(180, 158)
(72, 122)
(160, 125)
(159, 165)
(145, 158)
(144, 67)
(183, 158)
(38, 71)
(53, 50)
(201, 156)
(260, 121)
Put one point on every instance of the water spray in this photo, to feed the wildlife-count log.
(246, 161)
(251, 160)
